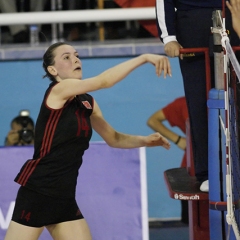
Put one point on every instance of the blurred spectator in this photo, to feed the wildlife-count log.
(78, 31)
(89, 31)
(20, 33)
(116, 29)
(22, 130)
(148, 28)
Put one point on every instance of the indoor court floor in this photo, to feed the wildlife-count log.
(175, 230)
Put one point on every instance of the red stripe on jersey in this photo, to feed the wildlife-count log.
(49, 132)
(25, 171)
(30, 165)
(46, 135)
(46, 146)
(35, 162)
(53, 129)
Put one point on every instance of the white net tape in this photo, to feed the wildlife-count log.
(231, 55)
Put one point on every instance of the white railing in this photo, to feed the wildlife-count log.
(96, 15)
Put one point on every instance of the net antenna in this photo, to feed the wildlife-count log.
(229, 125)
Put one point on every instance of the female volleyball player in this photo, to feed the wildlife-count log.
(46, 197)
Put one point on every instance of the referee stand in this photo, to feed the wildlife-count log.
(183, 185)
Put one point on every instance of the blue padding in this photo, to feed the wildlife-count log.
(213, 155)
(216, 94)
(217, 104)
(216, 99)
(215, 225)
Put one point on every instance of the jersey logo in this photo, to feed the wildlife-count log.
(87, 104)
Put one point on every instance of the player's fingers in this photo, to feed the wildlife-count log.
(168, 67)
(167, 146)
(165, 143)
(159, 66)
(163, 65)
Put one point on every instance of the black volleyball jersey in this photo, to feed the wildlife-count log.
(61, 137)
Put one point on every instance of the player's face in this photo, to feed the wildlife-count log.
(67, 62)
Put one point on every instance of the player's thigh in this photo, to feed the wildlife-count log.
(71, 230)
(18, 231)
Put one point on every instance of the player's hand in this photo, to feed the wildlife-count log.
(156, 139)
(172, 49)
(161, 64)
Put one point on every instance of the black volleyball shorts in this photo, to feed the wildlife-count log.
(37, 210)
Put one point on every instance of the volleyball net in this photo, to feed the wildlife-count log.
(231, 130)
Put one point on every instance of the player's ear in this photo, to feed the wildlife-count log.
(52, 70)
